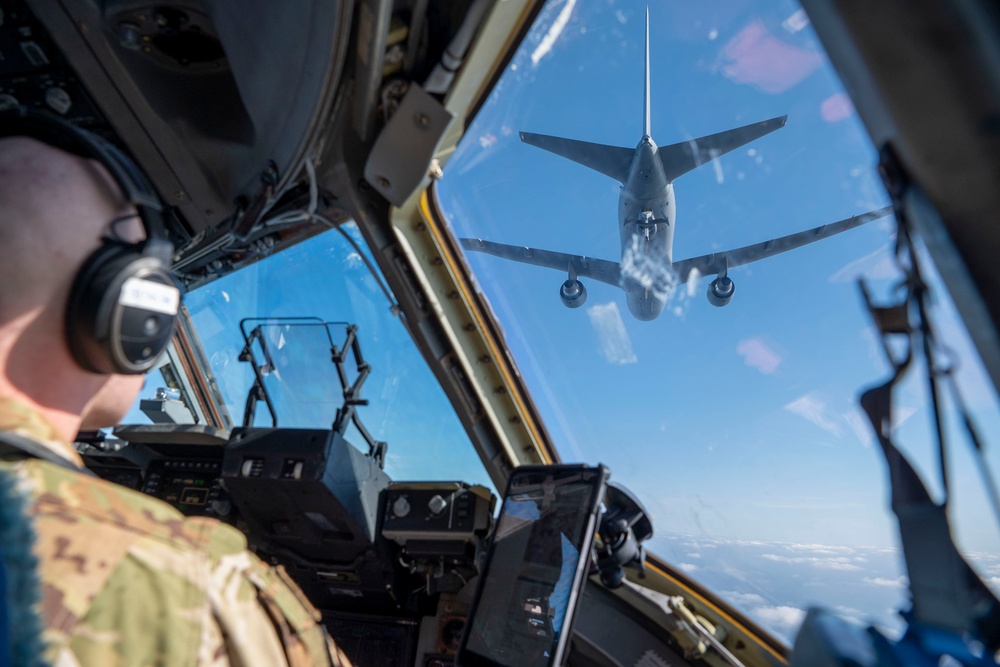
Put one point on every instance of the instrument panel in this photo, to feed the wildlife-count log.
(389, 564)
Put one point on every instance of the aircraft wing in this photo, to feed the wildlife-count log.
(719, 261)
(682, 157)
(584, 267)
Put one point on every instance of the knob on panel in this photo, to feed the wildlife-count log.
(437, 504)
(401, 507)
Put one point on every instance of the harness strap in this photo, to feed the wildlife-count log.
(12, 444)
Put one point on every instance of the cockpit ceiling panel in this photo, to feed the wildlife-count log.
(207, 95)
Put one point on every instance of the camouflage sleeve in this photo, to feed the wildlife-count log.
(128, 580)
(257, 608)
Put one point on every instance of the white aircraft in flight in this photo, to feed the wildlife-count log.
(647, 271)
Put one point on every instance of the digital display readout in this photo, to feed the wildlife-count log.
(190, 486)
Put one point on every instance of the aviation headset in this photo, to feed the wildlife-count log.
(123, 305)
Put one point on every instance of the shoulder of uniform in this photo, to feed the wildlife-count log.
(82, 521)
(63, 494)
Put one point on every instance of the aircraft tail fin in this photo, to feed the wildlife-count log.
(682, 157)
(645, 110)
(611, 161)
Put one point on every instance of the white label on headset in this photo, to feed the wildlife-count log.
(160, 298)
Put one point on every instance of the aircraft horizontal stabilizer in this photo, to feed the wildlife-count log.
(611, 161)
(681, 158)
(721, 261)
(583, 267)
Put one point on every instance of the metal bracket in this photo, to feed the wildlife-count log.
(401, 157)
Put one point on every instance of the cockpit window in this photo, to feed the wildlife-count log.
(613, 270)
(299, 301)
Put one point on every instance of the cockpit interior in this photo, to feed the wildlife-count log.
(353, 383)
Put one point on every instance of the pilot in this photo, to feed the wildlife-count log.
(112, 576)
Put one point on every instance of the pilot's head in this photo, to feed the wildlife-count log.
(59, 211)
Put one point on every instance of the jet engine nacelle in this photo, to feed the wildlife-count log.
(573, 293)
(720, 291)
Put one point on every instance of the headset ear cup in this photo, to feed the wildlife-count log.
(122, 311)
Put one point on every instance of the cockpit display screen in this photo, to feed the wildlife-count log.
(535, 568)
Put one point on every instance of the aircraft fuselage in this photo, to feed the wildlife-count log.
(646, 214)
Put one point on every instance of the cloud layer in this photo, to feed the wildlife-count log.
(773, 583)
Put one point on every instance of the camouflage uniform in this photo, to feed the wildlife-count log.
(128, 580)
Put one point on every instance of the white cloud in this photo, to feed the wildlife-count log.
(744, 600)
(553, 34)
(783, 619)
(985, 563)
(839, 563)
(758, 354)
(616, 346)
(688, 567)
(813, 409)
(707, 544)
(898, 582)
(852, 615)
(780, 619)
(822, 548)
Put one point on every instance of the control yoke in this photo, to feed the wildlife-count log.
(625, 525)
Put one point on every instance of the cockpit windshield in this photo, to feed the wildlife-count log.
(738, 426)
(300, 301)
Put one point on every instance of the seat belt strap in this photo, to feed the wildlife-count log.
(12, 444)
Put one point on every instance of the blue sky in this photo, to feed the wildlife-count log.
(739, 423)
